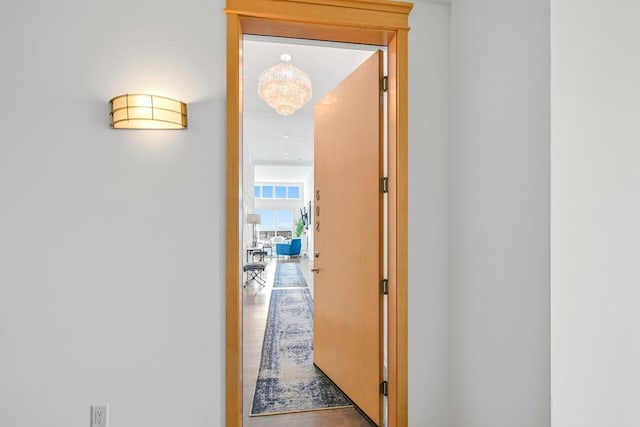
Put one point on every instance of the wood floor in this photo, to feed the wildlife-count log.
(255, 303)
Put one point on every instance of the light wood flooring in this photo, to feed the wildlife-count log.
(255, 303)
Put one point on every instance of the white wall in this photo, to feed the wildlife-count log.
(595, 306)
(428, 216)
(112, 242)
(248, 198)
(499, 213)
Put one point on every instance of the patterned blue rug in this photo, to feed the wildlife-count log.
(288, 275)
(288, 381)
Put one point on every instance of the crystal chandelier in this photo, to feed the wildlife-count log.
(284, 87)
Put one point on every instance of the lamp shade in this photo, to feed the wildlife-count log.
(136, 111)
(253, 219)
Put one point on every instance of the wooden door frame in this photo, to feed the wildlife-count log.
(378, 22)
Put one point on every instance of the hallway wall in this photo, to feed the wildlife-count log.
(112, 248)
(595, 309)
(499, 213)
(428, 215)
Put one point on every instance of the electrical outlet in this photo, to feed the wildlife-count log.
(99, 415)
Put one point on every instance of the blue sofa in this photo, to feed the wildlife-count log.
(290, 249)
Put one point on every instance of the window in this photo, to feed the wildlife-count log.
(281, 192)
(274, 222)
(294, 193)
(267, 219)
(267, 192)
(291, 192)
(284, 220)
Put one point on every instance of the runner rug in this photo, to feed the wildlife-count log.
(288, 381)
(288, 275)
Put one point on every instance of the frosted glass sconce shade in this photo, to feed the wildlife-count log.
(147, 112)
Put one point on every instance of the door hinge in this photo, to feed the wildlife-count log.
(384, 185)
(384, 388)
(384, 286)
(384, 83)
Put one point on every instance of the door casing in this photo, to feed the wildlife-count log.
(377, 22)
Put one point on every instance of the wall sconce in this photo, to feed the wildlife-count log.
(147, 112)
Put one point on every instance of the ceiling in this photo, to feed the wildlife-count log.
(272, 139)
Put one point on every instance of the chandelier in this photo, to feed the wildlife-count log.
(284, 86)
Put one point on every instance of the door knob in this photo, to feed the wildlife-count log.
(316, 254)
(315, 270)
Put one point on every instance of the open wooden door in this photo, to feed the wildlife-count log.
(348, 236)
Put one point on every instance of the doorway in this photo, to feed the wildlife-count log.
(278, 186)
(378, 23)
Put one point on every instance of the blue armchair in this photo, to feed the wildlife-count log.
(291, 249)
